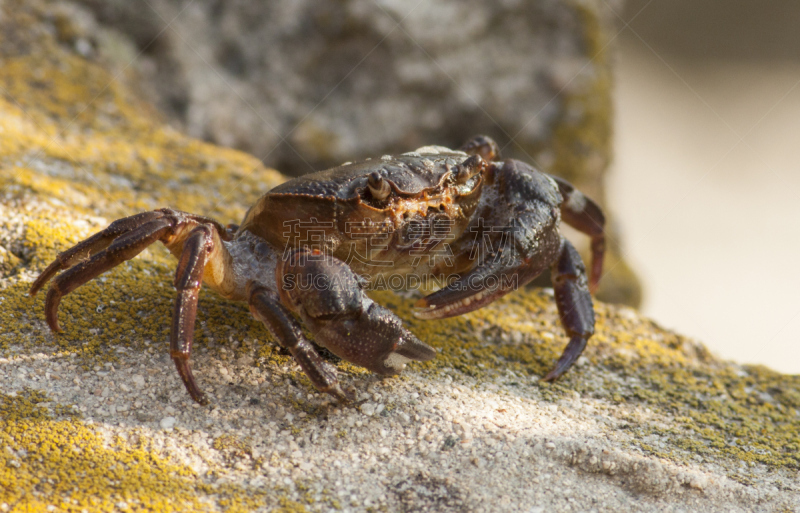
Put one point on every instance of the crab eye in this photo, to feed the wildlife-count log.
(378, 186)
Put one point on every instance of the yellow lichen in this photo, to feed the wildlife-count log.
(289, 506)
(48, 461)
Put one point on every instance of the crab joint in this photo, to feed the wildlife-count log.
(379, 187)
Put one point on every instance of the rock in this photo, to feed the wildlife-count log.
(304, 84)
(649, 421)
(138, 381)
(8, 262)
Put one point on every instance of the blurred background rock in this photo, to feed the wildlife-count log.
(706, 179)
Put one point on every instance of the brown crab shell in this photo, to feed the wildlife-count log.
(333, 210)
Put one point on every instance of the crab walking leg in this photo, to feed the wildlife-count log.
(86, 248)
(188, 279)
(583, 214)
(121, 240)
(102, 239)
(574, 306)
(265, 306)
(123, 248)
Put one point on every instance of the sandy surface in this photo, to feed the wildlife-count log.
(410, 444)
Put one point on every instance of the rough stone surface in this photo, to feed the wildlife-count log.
(96, 418)
(306, 85)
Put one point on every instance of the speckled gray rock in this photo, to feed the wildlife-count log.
(305, 84)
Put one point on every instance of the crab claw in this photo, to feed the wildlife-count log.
(327, 295)
(374, 339)
(516, 251)
(521, 242)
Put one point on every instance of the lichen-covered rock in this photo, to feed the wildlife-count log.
(96, 418)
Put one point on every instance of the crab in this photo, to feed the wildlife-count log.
(475, 226)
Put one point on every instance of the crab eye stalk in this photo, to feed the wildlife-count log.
(378, 187)
(469, 168)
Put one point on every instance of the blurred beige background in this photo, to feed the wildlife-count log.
(706, 180)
